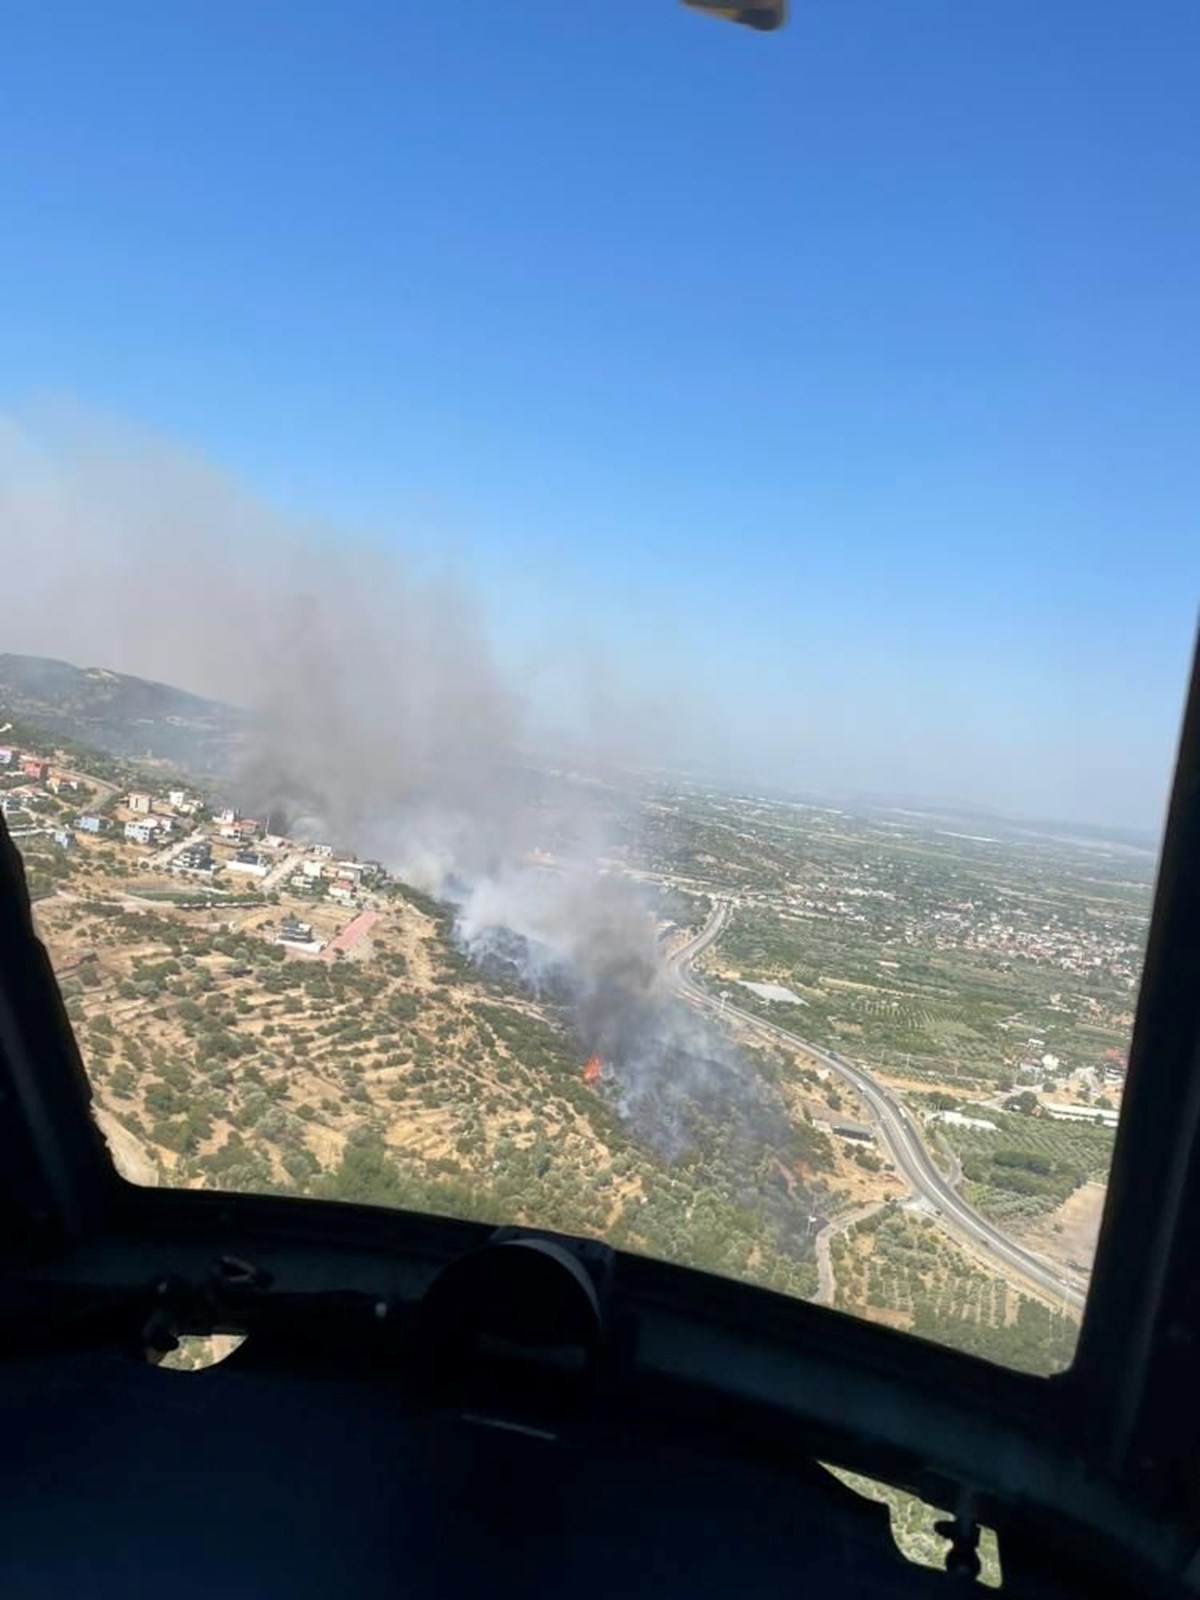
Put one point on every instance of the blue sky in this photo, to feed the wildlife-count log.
(834, 387)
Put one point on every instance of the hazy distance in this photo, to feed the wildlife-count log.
(135, 554)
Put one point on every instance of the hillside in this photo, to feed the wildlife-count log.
(121, 715)
(395, 1073)
(376, 1062)
(258, 1012)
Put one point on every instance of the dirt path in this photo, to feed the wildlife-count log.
(824, 1241)
(1069, 1234)
(130, 1156)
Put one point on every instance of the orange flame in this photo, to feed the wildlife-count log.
(591, 1073)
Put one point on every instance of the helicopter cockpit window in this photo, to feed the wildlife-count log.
(603, 609)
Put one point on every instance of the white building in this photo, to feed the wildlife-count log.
(313, 869)
(252, 869)
(140, 832)
(955, 1119)
(194, 858)
(774, 992)
(1065, 1111)
(250, 863)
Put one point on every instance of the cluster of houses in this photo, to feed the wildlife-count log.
(33, 768)
(1037, 1064)
(151, 821)
(341, 881)
(14, 763)
(28, 766)
(257, 852)
(154, 818)
(144, 825)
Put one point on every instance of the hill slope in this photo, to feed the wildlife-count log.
(121, 715)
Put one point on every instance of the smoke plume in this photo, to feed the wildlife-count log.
(380, 720)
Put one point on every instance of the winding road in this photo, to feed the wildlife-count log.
(896, 1126)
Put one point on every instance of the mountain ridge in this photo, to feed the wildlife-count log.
(121, 714)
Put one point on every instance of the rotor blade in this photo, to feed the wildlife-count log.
(762, 14)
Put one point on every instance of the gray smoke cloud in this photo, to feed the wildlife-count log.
(379, 713)
(380, 719)
(590, 940)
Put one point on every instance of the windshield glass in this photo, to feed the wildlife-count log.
(603, 609)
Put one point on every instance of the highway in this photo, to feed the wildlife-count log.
(896, 1128)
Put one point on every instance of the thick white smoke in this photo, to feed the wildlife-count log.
(380, 713)
(380, 719)
(380, 716)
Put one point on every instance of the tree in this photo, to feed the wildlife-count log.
(366, 1172)
(300, 1166)
(1026, 1103)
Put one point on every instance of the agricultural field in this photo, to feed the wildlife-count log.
(896, 1266)
(942, 1016)
(928, 956)
(1029, 1165)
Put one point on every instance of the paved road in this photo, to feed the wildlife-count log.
(104, 785)
(896, 1127)
(283, 869)
(161, 860)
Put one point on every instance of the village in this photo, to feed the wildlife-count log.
(187, 851)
